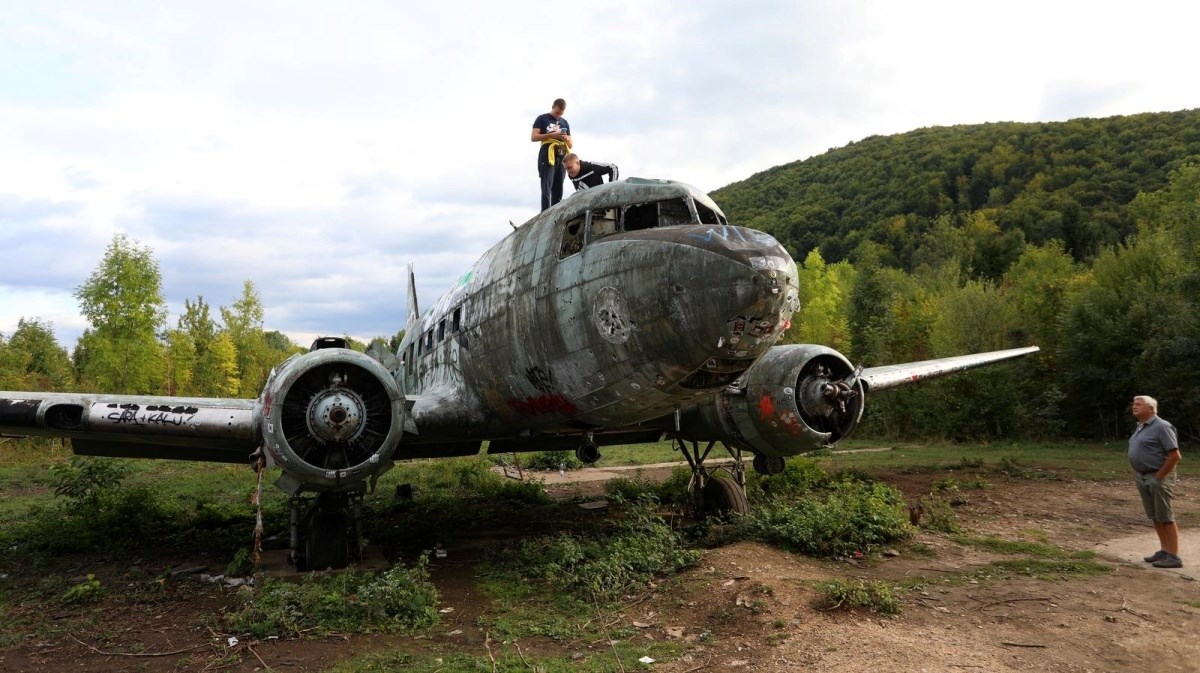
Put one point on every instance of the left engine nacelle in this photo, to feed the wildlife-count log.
(796, 398)
(331, 419)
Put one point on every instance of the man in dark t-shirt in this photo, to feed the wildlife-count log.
(554, 133)
(585, 174)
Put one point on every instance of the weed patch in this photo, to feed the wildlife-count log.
(602, 567)
(397, 600)
(551, 461)
(856, 594)
(938, 515)
(88, 591)
(846, 517)
(1038, 550)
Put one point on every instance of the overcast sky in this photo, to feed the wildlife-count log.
(316, 147)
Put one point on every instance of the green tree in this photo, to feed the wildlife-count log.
(824, 292)
(180, 360)
(123, 302)
(244, 325)
(46, 364)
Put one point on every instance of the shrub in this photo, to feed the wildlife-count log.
(85, 480)
(88, 591)
(847, 517)
(859, 595)
(629, 489)
(397, 600)
(939, 516)
(800, 476)
(552, 460)
(603, 566)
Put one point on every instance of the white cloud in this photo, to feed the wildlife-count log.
(317, 148)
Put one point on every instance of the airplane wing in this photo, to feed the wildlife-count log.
(893, 376)
(137, 426)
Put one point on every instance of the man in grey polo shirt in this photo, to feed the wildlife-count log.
(1153, 454)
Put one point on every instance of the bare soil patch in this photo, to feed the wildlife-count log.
(745, 607)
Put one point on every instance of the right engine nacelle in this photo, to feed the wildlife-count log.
(796, 398)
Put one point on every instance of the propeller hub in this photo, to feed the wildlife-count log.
(335, 415)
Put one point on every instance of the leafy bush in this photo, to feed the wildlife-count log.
(88, 591)
(85, 480)
(641, 546)
(859, 594)
(629, 489)
(397, 600)
(242, 564)
(552, 460)
(939, 516)
(847, 517)
(800, 476)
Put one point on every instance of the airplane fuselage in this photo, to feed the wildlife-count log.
(617, 307)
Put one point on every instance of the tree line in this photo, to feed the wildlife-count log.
(1126, 322)
(129, 347)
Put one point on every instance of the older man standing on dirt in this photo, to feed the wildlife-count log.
(1153, 454)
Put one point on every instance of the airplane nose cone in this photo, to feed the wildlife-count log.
(733, 292)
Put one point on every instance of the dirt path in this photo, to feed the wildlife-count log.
(751, 607)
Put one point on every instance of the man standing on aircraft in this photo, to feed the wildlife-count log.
(585, 174)
(1153, 454)
(554, 134)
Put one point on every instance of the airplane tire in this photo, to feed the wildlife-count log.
(768, 464)
(328, 541)
(723, 495)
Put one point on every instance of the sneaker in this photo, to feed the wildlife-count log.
(1168, 560)
(1155, 556)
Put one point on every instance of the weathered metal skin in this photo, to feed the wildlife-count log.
(779, 408)
(625, 331)
(136, 426)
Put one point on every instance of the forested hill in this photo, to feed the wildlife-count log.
(1002, 184)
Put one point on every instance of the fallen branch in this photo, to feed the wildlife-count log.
(1021, 644)
(260, 659)
(487, 645)
(519, 654)
(135, 654)
(1008, 600)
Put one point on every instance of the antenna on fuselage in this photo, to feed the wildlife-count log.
(512, 225)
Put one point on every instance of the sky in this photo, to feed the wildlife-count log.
(317, 148)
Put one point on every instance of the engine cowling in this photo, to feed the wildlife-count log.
(331, 419)
(796, 398)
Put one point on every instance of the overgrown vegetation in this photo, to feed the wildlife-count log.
(396, 600)
(857, 594)
(838, 520)
(639, 546)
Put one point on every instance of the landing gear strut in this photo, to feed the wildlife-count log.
(326, 531)
(720, 489)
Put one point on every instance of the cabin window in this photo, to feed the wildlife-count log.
(441, 336)
(456, 321)
(572, 241)
(420, 345)
(429, 341)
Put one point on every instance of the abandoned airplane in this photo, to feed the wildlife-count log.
(624, 314)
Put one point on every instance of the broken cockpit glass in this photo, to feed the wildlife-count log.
(587, 227)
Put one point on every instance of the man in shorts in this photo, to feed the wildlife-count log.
(1153, 454)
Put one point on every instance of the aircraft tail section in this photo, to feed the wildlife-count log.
(414, 312)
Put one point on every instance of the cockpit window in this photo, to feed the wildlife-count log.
(707, 215)
(658, 214)
(604, 222)
(572, 241)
